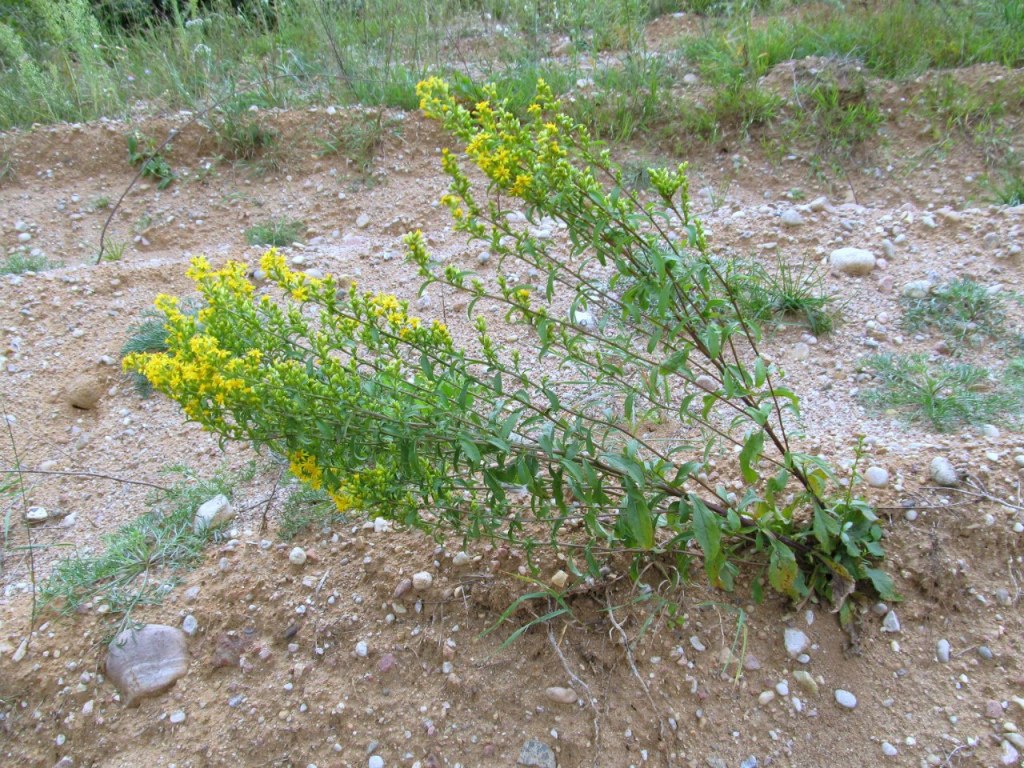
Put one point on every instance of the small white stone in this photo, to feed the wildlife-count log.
(375, 761)
(889, 750)
(189, 625)
(422, 581)
(559, 579)
(852, 261)
(362, 649)
(876, 477)
(461, 559)
(213, 513)
(297, 556)
(943, 472)
(891, 622)
(177, 717)
(942, 651)
(845, 699)
(362, 222)
(782, 688)
(796, 641)
(765, 697)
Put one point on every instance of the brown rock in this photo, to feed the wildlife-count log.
(84, 391)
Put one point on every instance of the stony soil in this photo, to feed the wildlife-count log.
(278, 675)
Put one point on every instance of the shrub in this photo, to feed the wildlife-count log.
(385, 412)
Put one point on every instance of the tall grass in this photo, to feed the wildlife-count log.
(58, 62)
(895, 39)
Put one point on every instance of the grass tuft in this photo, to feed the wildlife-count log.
(277, 232)
(789, 292)
(963, 310)
(17, 263)
(141, 561)
(942, 394)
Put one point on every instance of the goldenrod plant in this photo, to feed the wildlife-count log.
(634, 322)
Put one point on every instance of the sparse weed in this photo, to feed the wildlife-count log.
(142, 151)
(964, 310)
(277, 232)
(744, 105)
(1010, 191)
(114, 251)
(357, 139)
(307, 508)
(101, 203)
(141, 562)
(838, 119)
(789, 291)
(19, 262)
(240, 136)
(953, 105)
(6, 168)
(942, 394)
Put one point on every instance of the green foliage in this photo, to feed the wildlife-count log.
(963, 310)
(19, 262)
(744, 106)
(1010, 191)
(788, 292)
(114, 251)
(941, 394)
(385, 412)
(149, 334)
(142, 561)
(142, 152)
(276, 232)
(307, 509)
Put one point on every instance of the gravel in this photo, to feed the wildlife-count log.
(845, 699)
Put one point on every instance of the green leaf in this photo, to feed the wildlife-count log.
(752, 449)
(709, 537)
(882, 582)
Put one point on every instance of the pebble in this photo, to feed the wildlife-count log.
(362, 649)
(461, 559)
(375, 761)
(189, 625)
(147, 661)
(917, 289)
(561, 695)
(84, 392)
(782, 688)
(876, 477)
(943, 472)
(536, 754)
(559, 579)
(1009, 755)
(766, 697)
(750, 762)
(791, 218)
(363, 221)
(36, 515)
(852, 261)
(845, 699)
(889, 750)
(1019, 460)
(422, 581)
(796, 641)
(891, 622)
(696, 644)
(990, 430)
(993, 709)
(213, 513)
(942, 651)
(806, 681)
(177, 717)
(297, 556)
(800, 351)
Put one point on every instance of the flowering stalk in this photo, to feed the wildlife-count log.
(388, 415)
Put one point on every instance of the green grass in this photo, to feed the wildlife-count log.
(1010, 191)
(307, 509)
(788, 292)
(277, 232)
(962, 310)
(141, 562)
(17, 263)
(942, 394)
(242, 136)
(6, 168)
